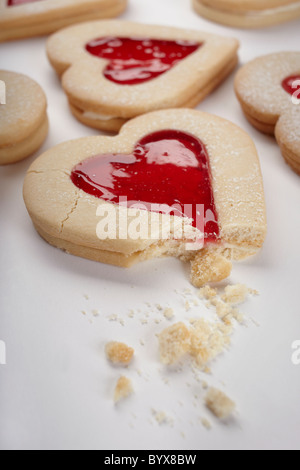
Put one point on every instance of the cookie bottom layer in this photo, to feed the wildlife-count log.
(114, 125)
(249, 19)
(45, 28)
(25, 148)
(262, 126)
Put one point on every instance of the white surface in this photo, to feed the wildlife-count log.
(56, 388)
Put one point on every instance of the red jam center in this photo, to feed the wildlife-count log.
(12, 3)
(135, 60)
(292, 85)
(168, 167)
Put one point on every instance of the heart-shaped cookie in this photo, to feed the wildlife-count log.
(19, 19)
(248, 13)
(113, 71)
(122, 200)
(268, 89)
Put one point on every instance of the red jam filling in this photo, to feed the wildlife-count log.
(12, 3)
(135, 60)
(292, 85)
(168, 167)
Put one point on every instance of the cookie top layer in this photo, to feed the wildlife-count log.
(259, 83)
(25, 108)
(247, 5)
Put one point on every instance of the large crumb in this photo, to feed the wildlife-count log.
(209, 266)
(204, 341)
(174, 343)
(236, 294)
(208, 340)
(219, 404)
(119, 353)
(123, 389)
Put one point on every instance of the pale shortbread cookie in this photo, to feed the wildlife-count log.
(268, 106)
(41, 17)
(248, 13)
(23, 117)
(67, 217)
(106, 105)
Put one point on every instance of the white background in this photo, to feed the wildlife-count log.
(56, 388)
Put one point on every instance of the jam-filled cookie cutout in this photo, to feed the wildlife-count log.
(113, 71)
(268, 89)
(27, 18)
(248, 13)
(173, 183)
(23, 117)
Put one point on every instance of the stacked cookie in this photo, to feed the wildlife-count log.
(20, 19)
(268, 89)
(248, 13)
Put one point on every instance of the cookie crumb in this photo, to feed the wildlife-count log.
(123, 389)
(174, 343)
(168, 313)
(219, 403)
(209, 266)
(236, 294)
(160, 417)
(119, 353)
(206, 423)
(207, 292)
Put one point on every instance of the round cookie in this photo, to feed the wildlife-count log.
(268, 89)
(248, 13)
(113, 71)
(28, 18)
(23, 117)
(109, 198)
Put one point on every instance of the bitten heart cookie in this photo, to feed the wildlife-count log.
(113, 71)
(177, 183)
(248, 13)
(27, 18)
(23, 117)
(268, 89)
